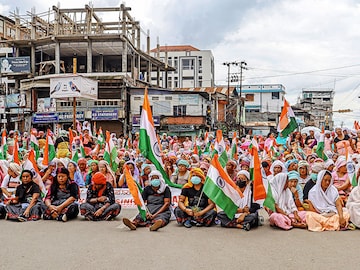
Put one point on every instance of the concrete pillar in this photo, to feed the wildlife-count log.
(148, 75)
(32, 60)
(133, 66)
(101, 63)
(158, 77)
(89, 57)
(57, 57)
(124, 57)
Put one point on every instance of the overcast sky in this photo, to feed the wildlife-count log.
(297, 43)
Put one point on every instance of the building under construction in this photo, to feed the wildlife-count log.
(103, 44)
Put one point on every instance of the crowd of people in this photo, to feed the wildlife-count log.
(311, 190)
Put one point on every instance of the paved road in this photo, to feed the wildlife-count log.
(80, 244)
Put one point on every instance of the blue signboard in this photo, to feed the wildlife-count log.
(101, 114)
(45, 118)
(15, 64)
(136, 120)
(68, 116)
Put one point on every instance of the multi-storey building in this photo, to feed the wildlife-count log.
(318, 102)
(193, 67)
(61, 42)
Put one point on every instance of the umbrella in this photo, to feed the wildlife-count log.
(307, 130)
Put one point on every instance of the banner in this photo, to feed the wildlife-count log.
(46, 105)
(124, 198)
(73, 86)
(16, 100)
(100, 114)
(15, 64)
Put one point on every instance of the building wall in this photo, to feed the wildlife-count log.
(200, 72)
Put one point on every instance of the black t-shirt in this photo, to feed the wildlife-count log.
(346, 138)
(149, 191)
(193, 196)
(308, 186)
(25, 192)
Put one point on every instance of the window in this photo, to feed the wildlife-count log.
(249, 97)
(275, 95)
(168, 98)
(151, 108)
(175, 65)
(200, 64)
(155, 98)
(1, 26)
(200, 81)
(179, 110)
(188, 64)
(137, 98)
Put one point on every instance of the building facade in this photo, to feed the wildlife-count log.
(319, 103)
(193, 67)
(102, 50)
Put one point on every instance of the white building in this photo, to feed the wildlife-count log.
(194, 67)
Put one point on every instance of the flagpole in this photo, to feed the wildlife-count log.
(74, 98)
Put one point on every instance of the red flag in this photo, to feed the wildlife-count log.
(16, 151)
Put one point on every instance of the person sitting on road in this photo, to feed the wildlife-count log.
(105, 169)
(27, 204)
(11, 180)
(61, 198)
(93, 168)
(325, 206)
(181, 175)
(157, 197)
(200, 209)
(246, 216)
(286, 215)
(100, 200)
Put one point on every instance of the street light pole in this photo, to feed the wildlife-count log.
(243, 65)
(228, 64)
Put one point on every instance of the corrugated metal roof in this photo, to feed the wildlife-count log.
(175, 48)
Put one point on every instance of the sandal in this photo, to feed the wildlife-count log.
(351, 227)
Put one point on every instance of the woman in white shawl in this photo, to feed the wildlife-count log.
(353, 205)
(246, 216)
(325, 205)
(276, 167)
(157, 197)
(286, 215)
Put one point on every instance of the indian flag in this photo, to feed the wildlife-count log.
(135, 192)
(259, 192)
(34, 144)
(234, 151)
(351, 169)
(269, 200)
(148, 143)
(82, 148)
(220, 148)
(110, 153)
(287, 121)
(320, 147)
(221, 189)
(207, 142)
(49, 151)
(30, 164)
(100, 138)
(4, 147)
(16, 158)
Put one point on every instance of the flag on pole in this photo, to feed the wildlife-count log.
(259, 192)
(135, 192)
(148, 143)
(30, 164)
(321, 146)
(234, 152)
(16, 151)
(49, 151)
(82, 148)
(220, 148)
(207, 142)
(287, 121)
(221, 189)
(100, 138)
(34, 144)
(4, 147)
(110, 153)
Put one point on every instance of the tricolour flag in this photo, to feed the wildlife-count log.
(135, 192)
(269, 200)
(30, 164)
(255, 172)
(220, 148)
(221, 189)
(100, 138)
(34, 144)
(321, 146)
(287, 121)
(16, 158)
(351, 169)
(148, 143)
(49, 151)
(110, 153)
(4, 147)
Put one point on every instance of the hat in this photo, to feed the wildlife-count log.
(289, 162)
(328, 163)
(293, 175)
(99, 179)
(245, 173)
(184, 163)
(15, 168)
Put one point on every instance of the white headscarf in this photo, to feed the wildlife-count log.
(283, 197)
(324, 201)
(277, 163)
(353, 205)
(162, 182)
